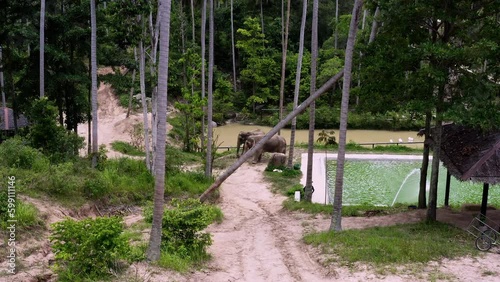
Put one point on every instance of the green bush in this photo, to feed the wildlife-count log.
(88, 248)
(96, 187)
(182, 226)
(14, 153)
(45, 134)
(190, 183)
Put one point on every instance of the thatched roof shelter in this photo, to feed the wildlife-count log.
(7, 119)
(471, 154)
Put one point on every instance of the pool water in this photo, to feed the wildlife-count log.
(386, 182)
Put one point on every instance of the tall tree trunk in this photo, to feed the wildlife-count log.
(336, 223)
(208, 170)
(436, 149)
(262, 16)
(203, 41)
(308, 189)
(248, 154)
(284, 44)
(297, 82)
(374, 25)
(131, 94)
(182, 18)
(193, 29)
(153, 252)
(336, 24)
(425, 163)
(93, 66)
(42, 48)
(155, 32)
(142, 71)
(232, 48)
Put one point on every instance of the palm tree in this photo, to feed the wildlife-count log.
(93, 67)
(153, 252)
(142, 63)
(208, 170)
(339, 177)
(203, 35)
(308, 189)
(297, 81)
(232, 48)
(42, 48)
(284, 38)
(131, 94)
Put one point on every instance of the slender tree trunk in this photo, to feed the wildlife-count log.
(425, 163)
(153, 252)
(308, 189)
(208, 171)
(336, 24)
(93, 66)
(203, 40)
(336, 223)
(436, 149)
(374, 25)
(183, 43)
(193, 29)
(131, 94)
(297, 82)
(232, 49)
(155, 34)
(262, 16)
(248, 154)
(42, 48)
(284, 38)
(142, 71)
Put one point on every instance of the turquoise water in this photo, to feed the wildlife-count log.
(385, 182)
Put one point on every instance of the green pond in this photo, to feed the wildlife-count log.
(386, 182)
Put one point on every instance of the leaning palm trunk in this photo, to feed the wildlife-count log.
(308, 189)
(153, 252)
(271, 133)
(297, 82)
(339, 177)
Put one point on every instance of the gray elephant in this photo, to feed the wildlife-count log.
(277, 144)
(242, 138)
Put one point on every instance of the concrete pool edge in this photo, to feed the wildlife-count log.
(319, 169)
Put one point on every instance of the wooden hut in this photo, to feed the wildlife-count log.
(471, 154)
(7, 126)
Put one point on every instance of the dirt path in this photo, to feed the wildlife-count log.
(257, 240)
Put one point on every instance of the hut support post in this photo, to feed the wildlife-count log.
(484, 203)
(447, 191)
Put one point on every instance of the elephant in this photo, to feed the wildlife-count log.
(277, 144)
(277, 160)
(242, 138)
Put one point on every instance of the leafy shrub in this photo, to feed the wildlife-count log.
(96, 187)
(45, 134)
(88, 248)
(14, 153)
(182, 226)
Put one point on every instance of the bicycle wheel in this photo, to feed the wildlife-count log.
(491, 234)
(483, 243)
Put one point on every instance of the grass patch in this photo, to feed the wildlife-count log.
(398, 244)
(127, 149)
(355, 147)
(283, 181)
(358, 210)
